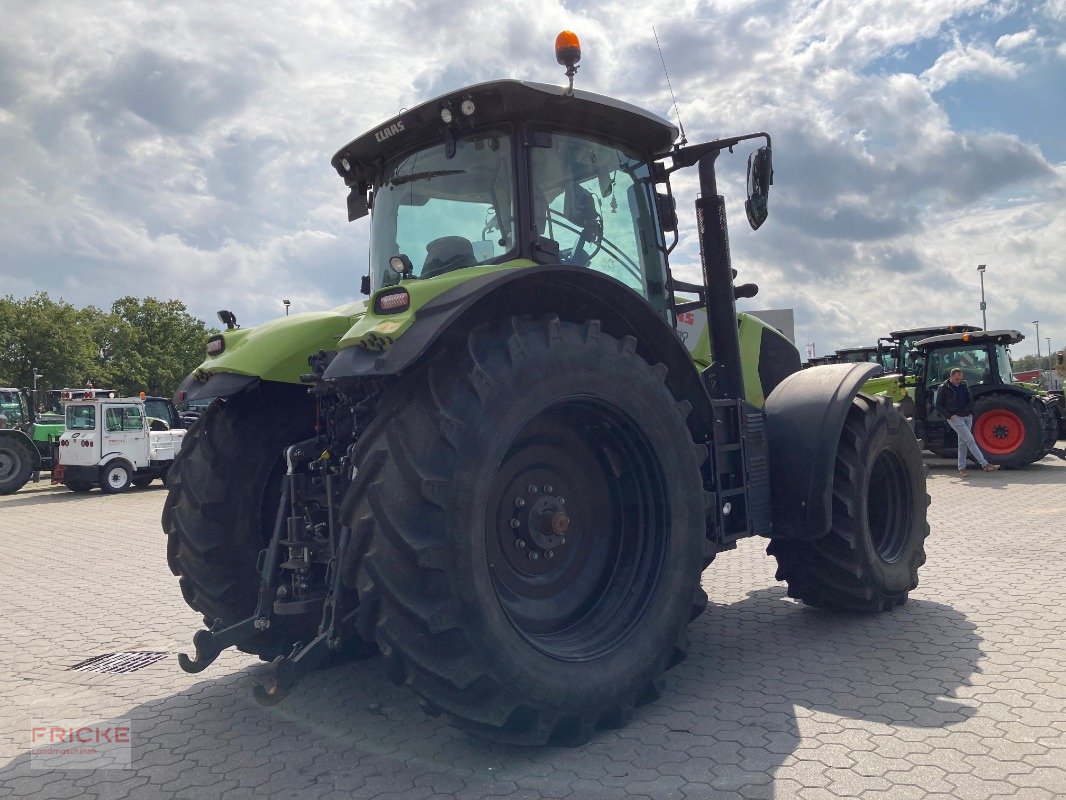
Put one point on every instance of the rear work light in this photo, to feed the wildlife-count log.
(392, 303)
(215, 345)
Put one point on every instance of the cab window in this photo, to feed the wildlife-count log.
(124, 418)
(594, 201)
(81, 418)
(972, 360)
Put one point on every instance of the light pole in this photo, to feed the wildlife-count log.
(984, 320)
(286, 302)
(1049, 364)
(1039, 366)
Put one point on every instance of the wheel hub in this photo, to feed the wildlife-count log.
(7, 465)
(1000, 431)
(538, 525)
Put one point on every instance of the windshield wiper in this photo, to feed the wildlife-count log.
(419, 176)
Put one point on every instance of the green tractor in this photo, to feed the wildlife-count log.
(505, 470)
(27, 438)
(1012, 425)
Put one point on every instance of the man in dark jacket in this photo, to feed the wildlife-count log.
(954, 401)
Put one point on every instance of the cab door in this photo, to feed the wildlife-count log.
(125, 435)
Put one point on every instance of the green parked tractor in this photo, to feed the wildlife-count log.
(505, 471)
(1014, 426)
(27, 436)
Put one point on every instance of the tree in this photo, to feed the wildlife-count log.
(139, 345)
(52, 336)
(150, 345)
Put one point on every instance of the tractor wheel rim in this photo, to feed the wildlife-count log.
(999, 431)
(116, 477)
(576, 530)
(7, 465)
(889, 500)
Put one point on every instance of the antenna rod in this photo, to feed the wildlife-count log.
(677, 111)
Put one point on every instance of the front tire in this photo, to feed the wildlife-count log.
(534, 515)
(869, 560)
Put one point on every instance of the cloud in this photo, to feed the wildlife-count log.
(1012, 41)
(967, 60)
(183, 150)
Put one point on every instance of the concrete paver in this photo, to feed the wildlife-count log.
(961, 693)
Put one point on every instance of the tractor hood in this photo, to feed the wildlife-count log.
(277, 350)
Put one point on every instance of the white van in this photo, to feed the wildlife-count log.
(113, 444)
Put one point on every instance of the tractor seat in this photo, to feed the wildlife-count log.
(446, 254)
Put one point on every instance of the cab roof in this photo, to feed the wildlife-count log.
(844, 350)
(996, 337)
(932, 330)
(498, 102)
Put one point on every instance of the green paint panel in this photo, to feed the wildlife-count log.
(379, 331)
(278, 350)
(751, 329)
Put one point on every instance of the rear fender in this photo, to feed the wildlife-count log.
(805, 417)
(574, 293)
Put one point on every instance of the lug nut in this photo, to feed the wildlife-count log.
(531, 489)
(560, 500)
(519, 501)
(520, 544)
(515, 523)
(549, 554)
(533, 555)
(562, 540)
(548, 488)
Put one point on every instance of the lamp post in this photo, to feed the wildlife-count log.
(286, 302)
(1039, 365)
(984, 320)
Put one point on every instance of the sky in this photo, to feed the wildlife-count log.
(182, 150)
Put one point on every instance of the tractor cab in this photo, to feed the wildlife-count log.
(512, 173)
(858, 355)
(906, 341)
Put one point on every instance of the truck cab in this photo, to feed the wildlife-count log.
(108, 443)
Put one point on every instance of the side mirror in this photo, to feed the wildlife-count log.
(357, 205)
(666, 210)
(364, 285)
(760, 178)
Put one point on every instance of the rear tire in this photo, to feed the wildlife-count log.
(467, 461)
(140, 483)
(1008, 430)
(223, 492)
(79, 488)
(16, 464)
(869, 560)
(115, 477)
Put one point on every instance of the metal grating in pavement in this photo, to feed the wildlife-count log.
(120, 663)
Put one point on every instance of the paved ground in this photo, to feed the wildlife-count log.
(961, 693)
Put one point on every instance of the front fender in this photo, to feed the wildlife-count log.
(805, 417)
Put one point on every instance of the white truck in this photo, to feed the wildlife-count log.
(112, 443)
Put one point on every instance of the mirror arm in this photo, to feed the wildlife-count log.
(687, 156)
